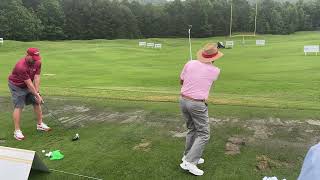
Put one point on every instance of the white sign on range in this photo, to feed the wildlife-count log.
(311, 49)
(260, 42)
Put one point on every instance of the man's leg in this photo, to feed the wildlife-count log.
(191, 135)
(18, 99)
(17, 134)
(16, 118)
(38, 111)
(199, 114)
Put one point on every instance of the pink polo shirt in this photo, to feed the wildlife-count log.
(24, 71)
(197, 79)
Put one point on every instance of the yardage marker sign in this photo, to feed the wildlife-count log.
(142, 44)
(311, 49)
(260, 42)
(150, 45)
(229, 44)
(157, 45)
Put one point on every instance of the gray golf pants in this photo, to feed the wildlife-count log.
(197, 121)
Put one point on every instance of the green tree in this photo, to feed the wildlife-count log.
(110, 19)
(18, 22)
(99, 24)
(138, 11)
(154, 21)
(77, 14)
(242, 16)
(32, 4)
(219, 16)
(290, 18)
(197, 14)
(269, 17)
(315, 15)
(176, 18)
(52, 17)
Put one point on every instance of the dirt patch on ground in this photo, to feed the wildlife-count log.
(178, 134)
(275, 132)
(265, 128)
(270, 135)
(71, 115)
(233, 145)
(313, 122)
(145, 146)
(265, 163)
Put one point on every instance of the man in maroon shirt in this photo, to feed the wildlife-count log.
(24, 84)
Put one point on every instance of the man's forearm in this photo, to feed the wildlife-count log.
(31, 87)
(37, 83)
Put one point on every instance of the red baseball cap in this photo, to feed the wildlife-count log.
(34, 53)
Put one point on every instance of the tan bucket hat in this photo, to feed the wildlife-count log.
(209, 53)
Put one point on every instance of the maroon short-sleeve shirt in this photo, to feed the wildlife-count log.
(24, 71)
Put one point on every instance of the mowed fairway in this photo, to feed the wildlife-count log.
(278, 75)
(123, 101)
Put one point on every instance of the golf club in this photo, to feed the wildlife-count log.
(53, 117)
(190, 26)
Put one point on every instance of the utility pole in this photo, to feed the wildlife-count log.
(231, 18)
(255, 19)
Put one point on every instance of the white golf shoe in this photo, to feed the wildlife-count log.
(193, 169)
(201, 161)
(18, 135)
(43, 127)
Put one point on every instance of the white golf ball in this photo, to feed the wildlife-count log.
(43, 151)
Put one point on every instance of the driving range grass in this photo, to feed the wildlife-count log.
(275, 81)
(106, 149)
(277, 75)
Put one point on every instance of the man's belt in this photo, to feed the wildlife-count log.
(190, 98)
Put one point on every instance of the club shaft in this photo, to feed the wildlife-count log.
(51, 115)
(190, 48)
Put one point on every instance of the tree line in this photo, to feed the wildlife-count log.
(111, 19)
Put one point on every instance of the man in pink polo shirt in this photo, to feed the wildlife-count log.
(24, 84)
(196, 79)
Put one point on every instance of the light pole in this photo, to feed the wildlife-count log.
(230, 18)
(255, 19)
(189, 30)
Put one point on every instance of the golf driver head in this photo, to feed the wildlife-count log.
(76, 137)
(220, 45)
